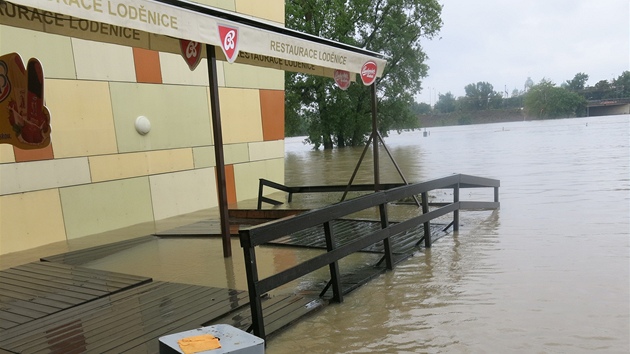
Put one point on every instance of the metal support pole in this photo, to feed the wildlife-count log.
(387, 248)
(356, 169)
(335, 277)
(377, 178)
(456, 212)
(251, 269)
(218, 150)
(427, 225)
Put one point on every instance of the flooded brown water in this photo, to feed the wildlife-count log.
(547, 273)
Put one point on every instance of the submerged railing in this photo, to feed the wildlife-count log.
(314, 189)
(264, 233)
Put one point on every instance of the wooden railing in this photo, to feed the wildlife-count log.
(264, 233)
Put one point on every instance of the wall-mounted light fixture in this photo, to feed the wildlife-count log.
(143, 125)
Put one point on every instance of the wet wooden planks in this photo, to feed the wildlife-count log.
(83, 256)
(126, 321)
(345, 230)
(36, 290)
(279, 311)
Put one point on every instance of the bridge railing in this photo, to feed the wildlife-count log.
(264, 233)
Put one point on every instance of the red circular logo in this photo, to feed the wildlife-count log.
(342, 78)
(368, 73)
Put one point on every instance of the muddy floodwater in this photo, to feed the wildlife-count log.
(547, 273)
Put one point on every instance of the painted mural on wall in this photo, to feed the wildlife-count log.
(24, 119)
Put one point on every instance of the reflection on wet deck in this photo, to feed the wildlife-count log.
(59, 306)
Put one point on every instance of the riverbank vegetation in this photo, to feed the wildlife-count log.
(543, 100)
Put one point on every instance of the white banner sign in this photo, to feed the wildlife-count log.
(158, 18)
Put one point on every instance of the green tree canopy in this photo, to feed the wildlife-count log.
(481, 96)
(545, 100)
(446, 103)
(391, 27)
(577, 84)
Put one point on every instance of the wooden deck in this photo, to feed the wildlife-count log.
(57, 306)
(37, 290)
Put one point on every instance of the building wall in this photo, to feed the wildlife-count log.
(99, 174)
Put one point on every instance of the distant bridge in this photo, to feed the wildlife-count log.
(608, 107)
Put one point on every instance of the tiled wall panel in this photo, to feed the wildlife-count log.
(222, 4)
(54, 52)
(32, 176)
(103, 61)
(235, 153)
(249, 76)
(272, 112)
(111, 167)
(175, 71)
(246, 176)
(29, 220)
(183, 192)
(272, 10)
(266, 150)
(240, 115)
(179, 116)
(204, 156)
(99, 207)
(6, 153)
(80, 117)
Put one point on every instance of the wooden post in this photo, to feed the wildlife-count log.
(218, 150)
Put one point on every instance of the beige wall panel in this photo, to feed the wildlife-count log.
(37, 175)
(204, 156)
(249, 76)
(29, 220)
(118, 166)
(111, 167)
(54, 52)
(179, 116)
(6, 153)
(176, 71)
(81, 118)
(266, 150)
(42, 224)
(102, 61)
(272, 10)
(164, 161)
(246, 176)
(240, 115)
(101, 207)
(236, 153)
(222, 4)
(183, 192)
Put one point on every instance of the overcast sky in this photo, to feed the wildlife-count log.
(504, 42)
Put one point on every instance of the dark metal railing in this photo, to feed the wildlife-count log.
(264, 233)
(314, 189)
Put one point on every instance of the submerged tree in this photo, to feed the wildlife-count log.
(545, 100)
(391, 27)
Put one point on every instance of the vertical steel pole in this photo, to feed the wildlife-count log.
(218, 150)
(335, 276)
(427, 224)
(377, 179)
(456, 212)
